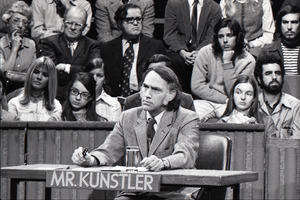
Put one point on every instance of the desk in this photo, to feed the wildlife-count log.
(180, 177)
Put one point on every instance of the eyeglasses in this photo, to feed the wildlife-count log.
(77, 25)
(130, 20)
(16, 21)
(84, 95)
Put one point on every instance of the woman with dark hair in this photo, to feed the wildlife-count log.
(242, 106)
(80, 99)
(36, 102)
(218, 65)
(106, 106)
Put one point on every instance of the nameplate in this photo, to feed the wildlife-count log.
(104, 180)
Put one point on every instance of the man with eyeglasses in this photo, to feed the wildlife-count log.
(124, 56)
(70, 50)
(106, 25)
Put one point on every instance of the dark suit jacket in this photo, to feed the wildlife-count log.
(177, 26)
(56, 48)
(134, 100)
(112, 55)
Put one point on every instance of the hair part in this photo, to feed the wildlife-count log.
(170, 77)
(157, 58)
(50, 90)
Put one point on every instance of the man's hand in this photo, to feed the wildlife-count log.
(188, 57)
(79, 159)
(16, 41)
(227, 56)
(152, 163)
(61, 66)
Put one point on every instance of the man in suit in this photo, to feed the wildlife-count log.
(70, 50)
(189, 26)
(135, 100)
(280, 111)
(106, 25)
(175, 141)
(123, 71)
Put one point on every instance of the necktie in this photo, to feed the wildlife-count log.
(127, 65)
(194, 26)
(71, 46)
(150, 130)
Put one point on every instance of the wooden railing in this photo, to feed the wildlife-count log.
(276, 160)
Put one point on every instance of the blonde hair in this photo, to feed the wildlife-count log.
(230, 8)
(18, 7)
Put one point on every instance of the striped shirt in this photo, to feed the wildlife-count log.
(290, 59)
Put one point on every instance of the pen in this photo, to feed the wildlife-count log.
(85, 150)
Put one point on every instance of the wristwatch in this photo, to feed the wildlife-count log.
(166, 163)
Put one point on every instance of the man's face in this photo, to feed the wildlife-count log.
(132, 26)
(272, 80)
(155, 94)
(226, 39)
(290, 26)
(74, 25)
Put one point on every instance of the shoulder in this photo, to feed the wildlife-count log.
(291, 100)
(184, 114)
(151, 40)
(53, 38)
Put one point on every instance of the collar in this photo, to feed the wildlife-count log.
(135, 41)
(73, 2)
(7, 42)
(191, 2)
(105, 98)
(245, 1)
(282, 101)
(157, 117)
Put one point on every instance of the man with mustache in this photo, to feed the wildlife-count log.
(286, 44)
(280, 111)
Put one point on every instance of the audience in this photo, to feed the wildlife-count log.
(242, 106)
(37, 102)
(106, 25)
(4, 114)
(17, 52)
(255, 17)
(106, 106)
(217, 66)
(186, 32)
(176, 149)
(124, 56)
(70, 50)
(291, 3)
(280, 111)
(48, 16)
(286, 45)
(156, 60)
(80, 99)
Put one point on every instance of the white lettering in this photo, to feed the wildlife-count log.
(82, 179)
(59, 180)
(69, 178)
(138, 181)
(106, 181)
(123, 180)
(114, 180)
(91, 179)
(148, 182)
(129, 183)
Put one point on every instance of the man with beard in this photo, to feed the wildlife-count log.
(280, 111)
(286, 44)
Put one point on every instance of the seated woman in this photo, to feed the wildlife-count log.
(106, 106)
(242, 106)
(80, 99)
(16, 51)
(4, 114)
(36, 102)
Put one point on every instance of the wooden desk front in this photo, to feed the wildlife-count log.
(182, 177)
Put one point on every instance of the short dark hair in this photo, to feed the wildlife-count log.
(237, 31)
(156, 58)
(170, 77)
(3, 81)
(121, 13)
(263, 59)
(289, 9)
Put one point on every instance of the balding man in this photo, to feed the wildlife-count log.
(70, 50)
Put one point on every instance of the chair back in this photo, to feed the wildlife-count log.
(214, 152)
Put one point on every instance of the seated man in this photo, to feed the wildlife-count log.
(124, 56)
(280, 111)
(106, 25)
(48, 16)
(174, 144)
(217, 67)
(134, 100)
(286, 45)
(70, 50)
